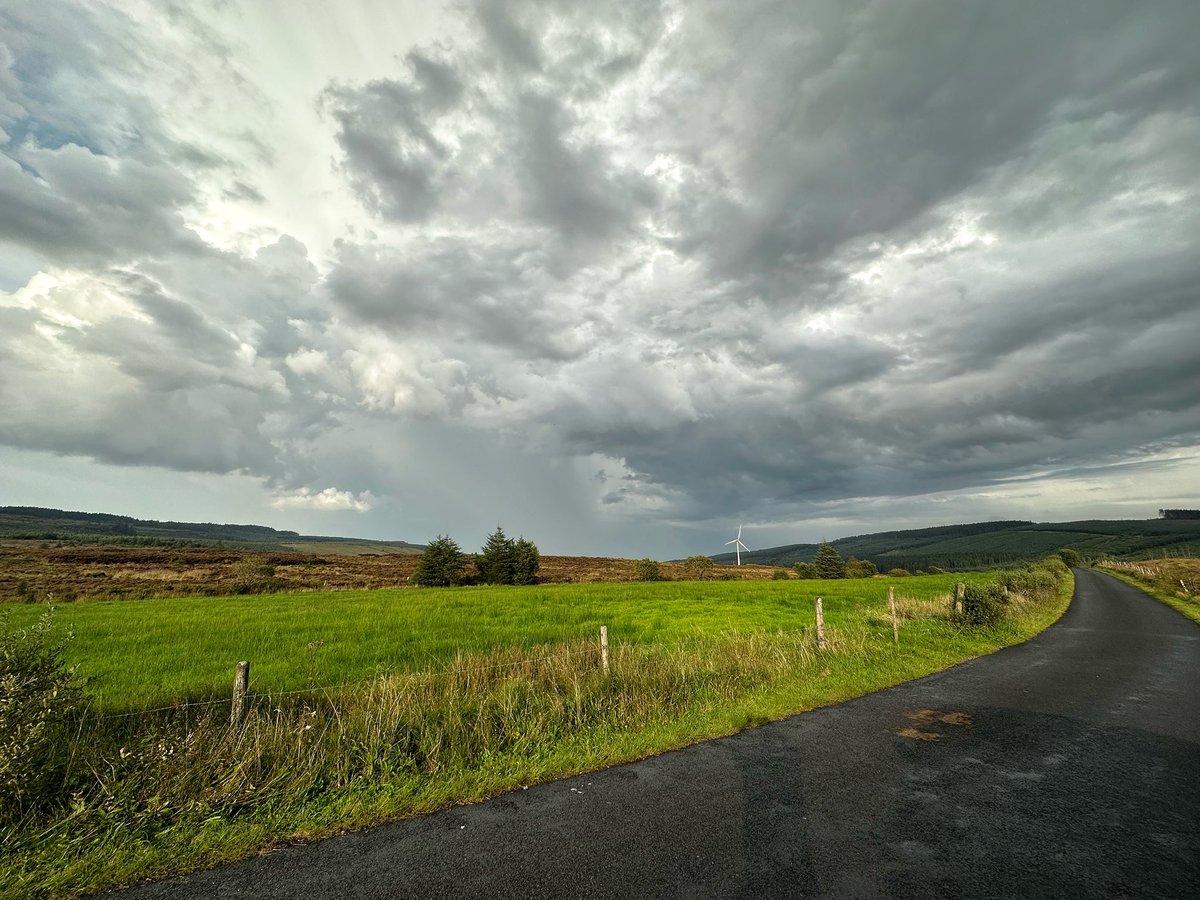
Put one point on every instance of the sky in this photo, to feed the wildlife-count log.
(619, 277)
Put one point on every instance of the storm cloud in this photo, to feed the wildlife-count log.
(703, 262)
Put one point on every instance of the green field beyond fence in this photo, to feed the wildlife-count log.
(143, 654)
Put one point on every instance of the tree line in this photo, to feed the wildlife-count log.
(501, 561)
(829, 564)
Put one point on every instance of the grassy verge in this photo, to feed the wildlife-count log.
(160, 793)
(1171, 581)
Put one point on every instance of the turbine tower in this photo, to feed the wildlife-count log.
(738, 546)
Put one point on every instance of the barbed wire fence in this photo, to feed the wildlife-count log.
(462, 666)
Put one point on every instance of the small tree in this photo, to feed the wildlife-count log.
(442, 563)
(495, 562)
(805, 570)
(780, 575)
(646, 570)
(526, 562)
(984, 605)
(829, 562)
(699, 567)
(860, 568)
(1070, 557)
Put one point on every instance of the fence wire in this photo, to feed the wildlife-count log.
(461, 669)
(464, 668)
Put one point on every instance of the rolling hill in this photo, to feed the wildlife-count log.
(995, 543)
(968, 546)
(32, 522)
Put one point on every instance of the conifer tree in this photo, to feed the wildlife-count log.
(829, 562)
(442, 563)
(495, 562)
(526, 562)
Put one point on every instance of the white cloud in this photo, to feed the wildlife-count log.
(325, 500)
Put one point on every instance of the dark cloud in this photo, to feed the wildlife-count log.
(386, 129)
(820, 126)
(459, 294)
(576, 191)
(119, 367)
(745, 260)
(74, 206)
(517, 47)
(91, 173)
(507, 149)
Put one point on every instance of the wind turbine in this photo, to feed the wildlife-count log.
(738, 546)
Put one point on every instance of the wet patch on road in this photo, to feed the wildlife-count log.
(919, 735)
(929, 717)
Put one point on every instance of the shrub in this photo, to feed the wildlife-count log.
(255, 575)
(805, 570)
(646, 570)
(442, 563)
(496, 559)
(526, 562)
(984, 605)
(935, 570)
(829, 562)
(898, 573)
(699, 567)
(39, 698)
(1037, 581)
(780, 575)
(1070, 557)
(861, 568)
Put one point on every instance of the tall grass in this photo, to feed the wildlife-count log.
(167, 791)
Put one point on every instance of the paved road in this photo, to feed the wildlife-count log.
(1068, 766)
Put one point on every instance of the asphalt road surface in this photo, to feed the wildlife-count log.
(1067, 766)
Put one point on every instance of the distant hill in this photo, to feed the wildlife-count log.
(996, 543)
(56, 524)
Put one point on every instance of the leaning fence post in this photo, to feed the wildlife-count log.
(892, 610)
(241, 687)
(820, 625)
(604, 647)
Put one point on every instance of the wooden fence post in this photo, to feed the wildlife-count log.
(892, 610)
(820, 625)
(604, 647)
(959, 593)
(241, 687)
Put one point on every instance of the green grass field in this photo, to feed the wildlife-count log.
(459, 694)
(141, 654)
